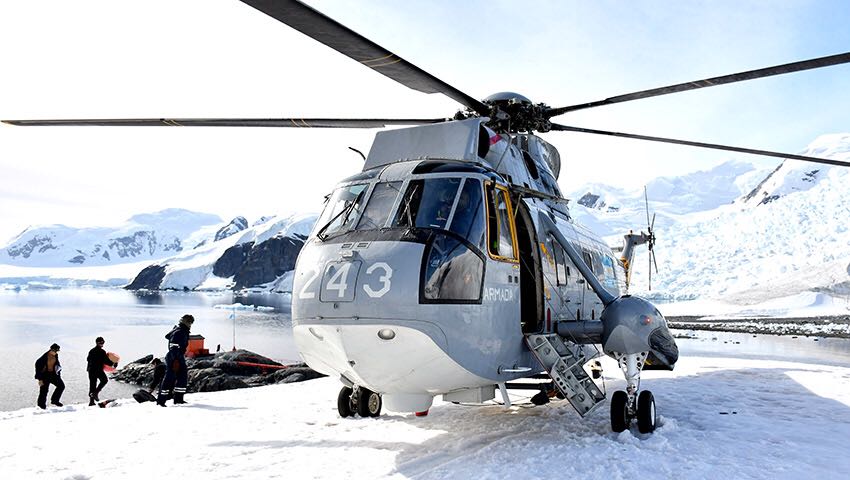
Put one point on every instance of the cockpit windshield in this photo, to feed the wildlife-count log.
(342, 209)
(423, 203)
(427, 203)
(380, 205)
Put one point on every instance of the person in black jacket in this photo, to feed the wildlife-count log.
(158, 374)
(47, 370)
(96, 360)
(176, 373)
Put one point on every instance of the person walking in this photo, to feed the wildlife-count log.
(176, 372)
(47, 371)
(97, 359)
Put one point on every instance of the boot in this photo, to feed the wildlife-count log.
(160, 400)
(178, 399)
(91, 400)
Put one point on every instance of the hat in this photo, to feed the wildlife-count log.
(99, 340)
(55, 347)
(187, 320)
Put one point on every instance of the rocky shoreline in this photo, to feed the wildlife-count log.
(833, 326)
(222, 371)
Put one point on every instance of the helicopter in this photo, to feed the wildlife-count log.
(451, 265)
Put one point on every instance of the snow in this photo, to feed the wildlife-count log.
(714, 245)
(719, 418)
(143, 237)
(805, 304)
(240, 306)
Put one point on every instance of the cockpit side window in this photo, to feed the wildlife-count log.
(500, 223)
(427, 203)
(380, 205)
(343, 208)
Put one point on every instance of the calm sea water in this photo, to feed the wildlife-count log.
(133, 325)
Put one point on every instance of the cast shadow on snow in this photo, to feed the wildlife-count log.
(701, 412)
(215, 408)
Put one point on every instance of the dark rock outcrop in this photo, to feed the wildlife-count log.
(149, 278)
(36, 243)
(222, 371)
(232, 260)
(591, 200)
(269, 260)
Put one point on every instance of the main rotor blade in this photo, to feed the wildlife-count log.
(233, 122)
(710, 82)
(353, 45)
(752, 151)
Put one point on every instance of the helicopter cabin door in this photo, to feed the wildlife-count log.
(531, 275)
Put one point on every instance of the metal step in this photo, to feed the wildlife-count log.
(565, 363)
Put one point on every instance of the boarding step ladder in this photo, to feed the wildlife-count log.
(564, 362)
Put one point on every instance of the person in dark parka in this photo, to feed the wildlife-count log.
(96, 360)
(47, 371)
(158, 374)
(176, 372)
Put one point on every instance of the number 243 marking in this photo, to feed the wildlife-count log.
(338, 281)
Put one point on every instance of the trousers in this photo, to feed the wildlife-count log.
(56, 380)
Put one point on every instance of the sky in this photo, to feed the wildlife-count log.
(221, 58)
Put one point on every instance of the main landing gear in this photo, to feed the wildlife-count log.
(627, 406)
(358, 400)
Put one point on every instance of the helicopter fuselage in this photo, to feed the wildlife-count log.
(423, 276)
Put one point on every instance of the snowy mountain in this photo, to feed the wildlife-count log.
(738, 234)
(172, 249)
(791, 177)
(143, 237)
(260, 256)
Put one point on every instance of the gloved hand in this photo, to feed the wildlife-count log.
(41, 383)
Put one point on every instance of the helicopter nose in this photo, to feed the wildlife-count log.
(356, 280)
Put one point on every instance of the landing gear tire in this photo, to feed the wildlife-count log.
(646, 412)
(619, 411)
(343, 402)
(368, 403)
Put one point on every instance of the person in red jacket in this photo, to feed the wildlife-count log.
(96, 360)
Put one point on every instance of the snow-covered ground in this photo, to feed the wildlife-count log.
(719, 418)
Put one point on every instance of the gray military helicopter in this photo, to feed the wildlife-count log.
(451, 264)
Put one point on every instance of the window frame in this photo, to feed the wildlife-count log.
(511, 223)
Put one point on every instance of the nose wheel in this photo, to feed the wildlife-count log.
(623, 411)
(627, 406)
(358, 401)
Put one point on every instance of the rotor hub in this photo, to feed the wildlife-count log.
(512, 112)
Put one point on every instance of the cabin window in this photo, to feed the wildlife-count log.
(342, 209)
(588, 260)
(500, 223)
(453, 272)
(468, 219)
(379, 206)
(560, 263)
(427, 203)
